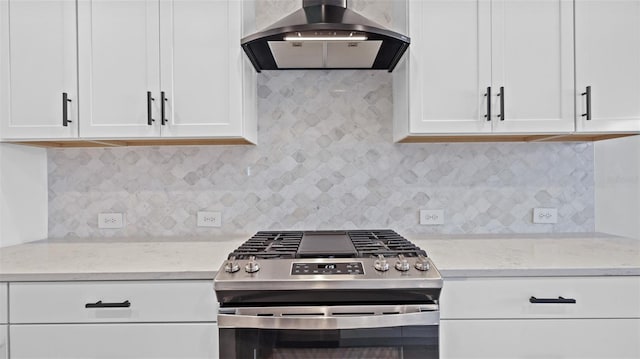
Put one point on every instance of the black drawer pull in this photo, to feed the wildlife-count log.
(65, 109)
(559, 300)
(99, 304)
(150, 119)
(488, 96)
(163, 101)
(501, 95)
(588, 94)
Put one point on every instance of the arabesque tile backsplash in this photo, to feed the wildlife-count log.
(325, 160)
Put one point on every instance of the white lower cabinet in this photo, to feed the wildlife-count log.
(102, 302)
(540, 317)
(175, 340)
(540, 338)
(4, 303)
(113, 319)
(4, 340)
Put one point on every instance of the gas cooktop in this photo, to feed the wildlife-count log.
(326, 244)
(349, 266)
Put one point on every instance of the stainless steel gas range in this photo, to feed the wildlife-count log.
(328, 294)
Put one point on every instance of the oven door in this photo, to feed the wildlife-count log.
(406, 331)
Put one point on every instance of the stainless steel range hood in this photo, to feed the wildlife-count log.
(324, 34)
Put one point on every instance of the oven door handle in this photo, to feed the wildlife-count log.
(328, 322)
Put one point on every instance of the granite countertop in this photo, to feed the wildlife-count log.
(507, 255)
(146, 258)
(162, 258)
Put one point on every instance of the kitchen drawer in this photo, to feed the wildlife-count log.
(149, 301)
(540, 338)
(4, 340)
(496, 298)
(3, 302)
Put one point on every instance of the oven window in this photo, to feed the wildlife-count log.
(371, 343)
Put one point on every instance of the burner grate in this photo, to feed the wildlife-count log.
(285, 244)
(385, 242)
(269, 245)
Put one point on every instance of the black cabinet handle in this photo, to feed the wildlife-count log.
(501, 95)
(65, 109)
(488, 96)
(163, 99)
(150, 119)
(559, 300)
(588, 94)
(99, 304)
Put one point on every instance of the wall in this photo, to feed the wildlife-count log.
(617, 191)
(23, 194)
(325, 159)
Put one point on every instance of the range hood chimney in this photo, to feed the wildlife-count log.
(324, 34)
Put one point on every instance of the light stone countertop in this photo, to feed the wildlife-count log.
(117, 258)
(508, 255)
(586, 254)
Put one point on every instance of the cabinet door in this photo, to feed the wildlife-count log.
(201, 77)
(449, 66)
(3, 342)
(608, 60)
(4, 303)
(193, 340)
(534, 338)
(119, 63)
(38, 64)
(532, 59)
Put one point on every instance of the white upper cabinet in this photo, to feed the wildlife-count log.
(483, 66)
(126, 69)
(448, 67)
(169, 68)
(119, 48)
(201, 68)
(608, 62)
(532, 62)
(38, 69)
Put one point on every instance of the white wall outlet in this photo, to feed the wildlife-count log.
(110, 220)
(431, 217)
(545, 215)
(209, 219)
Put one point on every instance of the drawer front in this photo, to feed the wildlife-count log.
(540, 338)
(4, 307)
(91, 302)
(496, 298)
(115, 341)
(4, 340)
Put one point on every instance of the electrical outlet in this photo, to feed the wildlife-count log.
(545, 215)
(431, 217)
(209, 219)
(110, 220)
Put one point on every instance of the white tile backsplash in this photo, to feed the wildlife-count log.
(325, 159)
